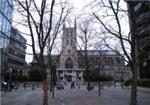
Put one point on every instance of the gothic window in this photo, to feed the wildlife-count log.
(109, 60)
(118, 60)
(71, 42)
(69, 63)
(67, 34)
(67, 42)
(71, 34)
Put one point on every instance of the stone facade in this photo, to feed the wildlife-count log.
(68, 61)
(71, 64)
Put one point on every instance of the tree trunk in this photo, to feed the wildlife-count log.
(99, 90)
(51, 81)
(45, 85)
(133, 100)
(45, 92)
(53, 90)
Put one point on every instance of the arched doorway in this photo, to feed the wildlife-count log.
(69, 78)
(68, 63)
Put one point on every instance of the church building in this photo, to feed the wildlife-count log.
(68, 68)
(71, 63)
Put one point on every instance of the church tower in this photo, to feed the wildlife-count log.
(68, 58)
(69, 41)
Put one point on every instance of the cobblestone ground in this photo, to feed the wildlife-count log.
(109, 96)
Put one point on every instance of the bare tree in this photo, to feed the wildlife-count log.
(53, 43)
(112, 25)
(86, 36)
(43, 20)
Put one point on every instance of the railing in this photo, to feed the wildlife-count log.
(16, 58)
(144, 18)
(138, 7)
(143, 31)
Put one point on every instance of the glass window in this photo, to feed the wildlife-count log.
(71, 42)
(0, 21)
(67, 42)
(5, 26)
(6, 9)
(67, 34)
(118, 60)
(71, 34)
(0, 5)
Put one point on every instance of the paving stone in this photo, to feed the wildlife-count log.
(109, 96)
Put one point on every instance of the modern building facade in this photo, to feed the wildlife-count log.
(142, 10)
(16, 53)
(6, 10)
(141, 21)
(71, 64)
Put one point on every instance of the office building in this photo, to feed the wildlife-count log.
(139, 18)
(6, 10)
(16, 53)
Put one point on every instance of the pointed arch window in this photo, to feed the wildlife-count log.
(71, 34)
(68, 63)
(71, 42)
(67, 34)
(67, 42)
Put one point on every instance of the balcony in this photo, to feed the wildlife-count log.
(141, 7)
(138, 7)
(144, 42)
(16, 58)
(143, 19)
(144, 31)
(14, 66)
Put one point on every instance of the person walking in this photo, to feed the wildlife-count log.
(72, 85)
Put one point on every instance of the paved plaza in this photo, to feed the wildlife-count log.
(109, 96)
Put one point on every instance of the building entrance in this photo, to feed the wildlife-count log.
(69, 78)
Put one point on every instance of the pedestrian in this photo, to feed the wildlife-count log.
(78, 83)
(71, 86)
